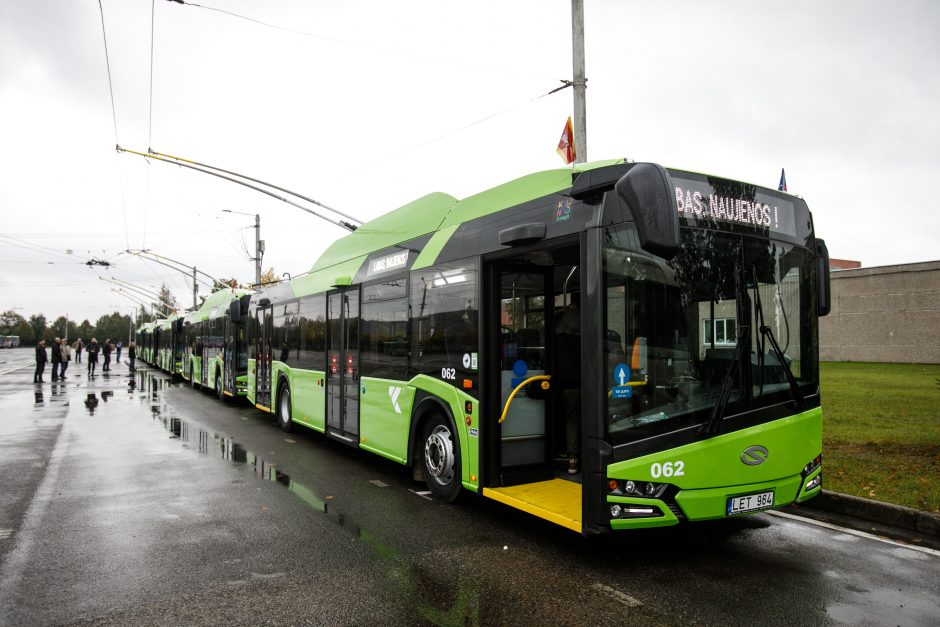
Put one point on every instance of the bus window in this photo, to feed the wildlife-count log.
(384, 346)
(445, 315)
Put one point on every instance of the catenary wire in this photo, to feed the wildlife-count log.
(357, 44)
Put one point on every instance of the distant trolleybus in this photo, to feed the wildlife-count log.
(614, 347)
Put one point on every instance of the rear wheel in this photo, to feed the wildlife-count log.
(440, 453)
(218, 387)
(283, 409)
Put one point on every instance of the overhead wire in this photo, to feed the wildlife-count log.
(356, 44)
(107, 59)
(519, 105)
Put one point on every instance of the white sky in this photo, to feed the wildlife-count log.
(844, 94)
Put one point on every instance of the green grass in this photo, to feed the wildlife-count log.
(881, 432)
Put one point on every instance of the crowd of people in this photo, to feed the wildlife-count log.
(62, 352)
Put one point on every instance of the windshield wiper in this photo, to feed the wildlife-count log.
(742, 349)
(767, 334)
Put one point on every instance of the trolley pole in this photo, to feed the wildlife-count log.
(580, 82)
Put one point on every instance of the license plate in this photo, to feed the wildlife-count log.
(750, 503)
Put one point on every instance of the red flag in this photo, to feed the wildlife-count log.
(566, 143)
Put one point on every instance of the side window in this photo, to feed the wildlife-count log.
(384, 340)
(445, 320)
(286, 341)
(312, 333)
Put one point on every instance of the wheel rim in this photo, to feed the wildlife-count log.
(285, 407)
(218, 385)
(439, 455)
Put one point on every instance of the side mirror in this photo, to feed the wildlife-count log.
(823, 294)
(647, 190)
(235, 310)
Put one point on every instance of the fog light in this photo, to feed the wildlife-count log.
(813, 483)
(615, 510)
(651, 488)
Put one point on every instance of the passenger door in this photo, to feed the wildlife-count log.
(264, 317)
(342, 376)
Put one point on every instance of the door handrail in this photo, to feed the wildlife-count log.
(538, 377)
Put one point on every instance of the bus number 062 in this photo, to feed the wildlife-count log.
(448, 373)
(667, 469)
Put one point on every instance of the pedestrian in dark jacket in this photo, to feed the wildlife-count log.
(132, 354)
(78, 346)
(56, 357)
(118, 347)
(106, 352)
(41, 360)
(92, 350)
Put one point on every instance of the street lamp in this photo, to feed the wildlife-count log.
(259, 244)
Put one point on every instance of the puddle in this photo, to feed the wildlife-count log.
(454, 601)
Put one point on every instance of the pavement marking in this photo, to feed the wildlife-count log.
(425, 494)
(5, 534)
(289, 441)
(20, 367)
(861, 534)
(617, 595)
(379, 483)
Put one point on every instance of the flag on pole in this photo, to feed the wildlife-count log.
(566, 143)
(783, 181)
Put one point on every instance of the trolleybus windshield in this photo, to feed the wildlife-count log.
(672, 328)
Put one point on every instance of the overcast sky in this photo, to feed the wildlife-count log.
(374, 104)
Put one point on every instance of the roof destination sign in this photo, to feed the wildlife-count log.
(388, 263)
(721, 203)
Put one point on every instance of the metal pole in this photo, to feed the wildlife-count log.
(257, 250)
(580, 82)
(195, 287)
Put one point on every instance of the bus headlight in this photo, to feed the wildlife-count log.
(813, 465)
(813, 483)
(645, 489)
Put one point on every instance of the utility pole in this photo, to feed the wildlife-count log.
(259, 244)
(259, 250)
(195, 288)
(580, 82)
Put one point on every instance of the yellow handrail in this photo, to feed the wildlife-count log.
(538, 377)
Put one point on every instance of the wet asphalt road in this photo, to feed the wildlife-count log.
(156, 504)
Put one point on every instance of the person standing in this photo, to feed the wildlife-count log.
(40, 361)
(568, 367)
(66, 358)
(106, 352)
(78, 346)
(56, 357)
(132, 354)
(92, 356)
(118, 346)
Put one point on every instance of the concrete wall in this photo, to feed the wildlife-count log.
(888, 313)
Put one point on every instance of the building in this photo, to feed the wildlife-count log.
(884, 314)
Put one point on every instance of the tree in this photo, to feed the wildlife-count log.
(113, 326)
(224, 284)
(166, 302)
(85, 331)
(59, 328)
(38, 324)
(12, 323)
(268, 277)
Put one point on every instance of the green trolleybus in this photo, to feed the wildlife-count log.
(612, 347)
(215, 344)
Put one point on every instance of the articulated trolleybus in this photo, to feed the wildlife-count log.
(615, 347)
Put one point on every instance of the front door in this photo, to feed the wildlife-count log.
(264, 317)
(524, 312)
(342, 377)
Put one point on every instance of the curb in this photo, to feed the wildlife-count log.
(884, 515)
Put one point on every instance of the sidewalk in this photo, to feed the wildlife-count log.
(884, 519)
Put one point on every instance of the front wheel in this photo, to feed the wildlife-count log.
(218, 387)
(441, 458)
(283, 410)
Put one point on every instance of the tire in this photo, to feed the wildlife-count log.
(283, 409)
(440, 454)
